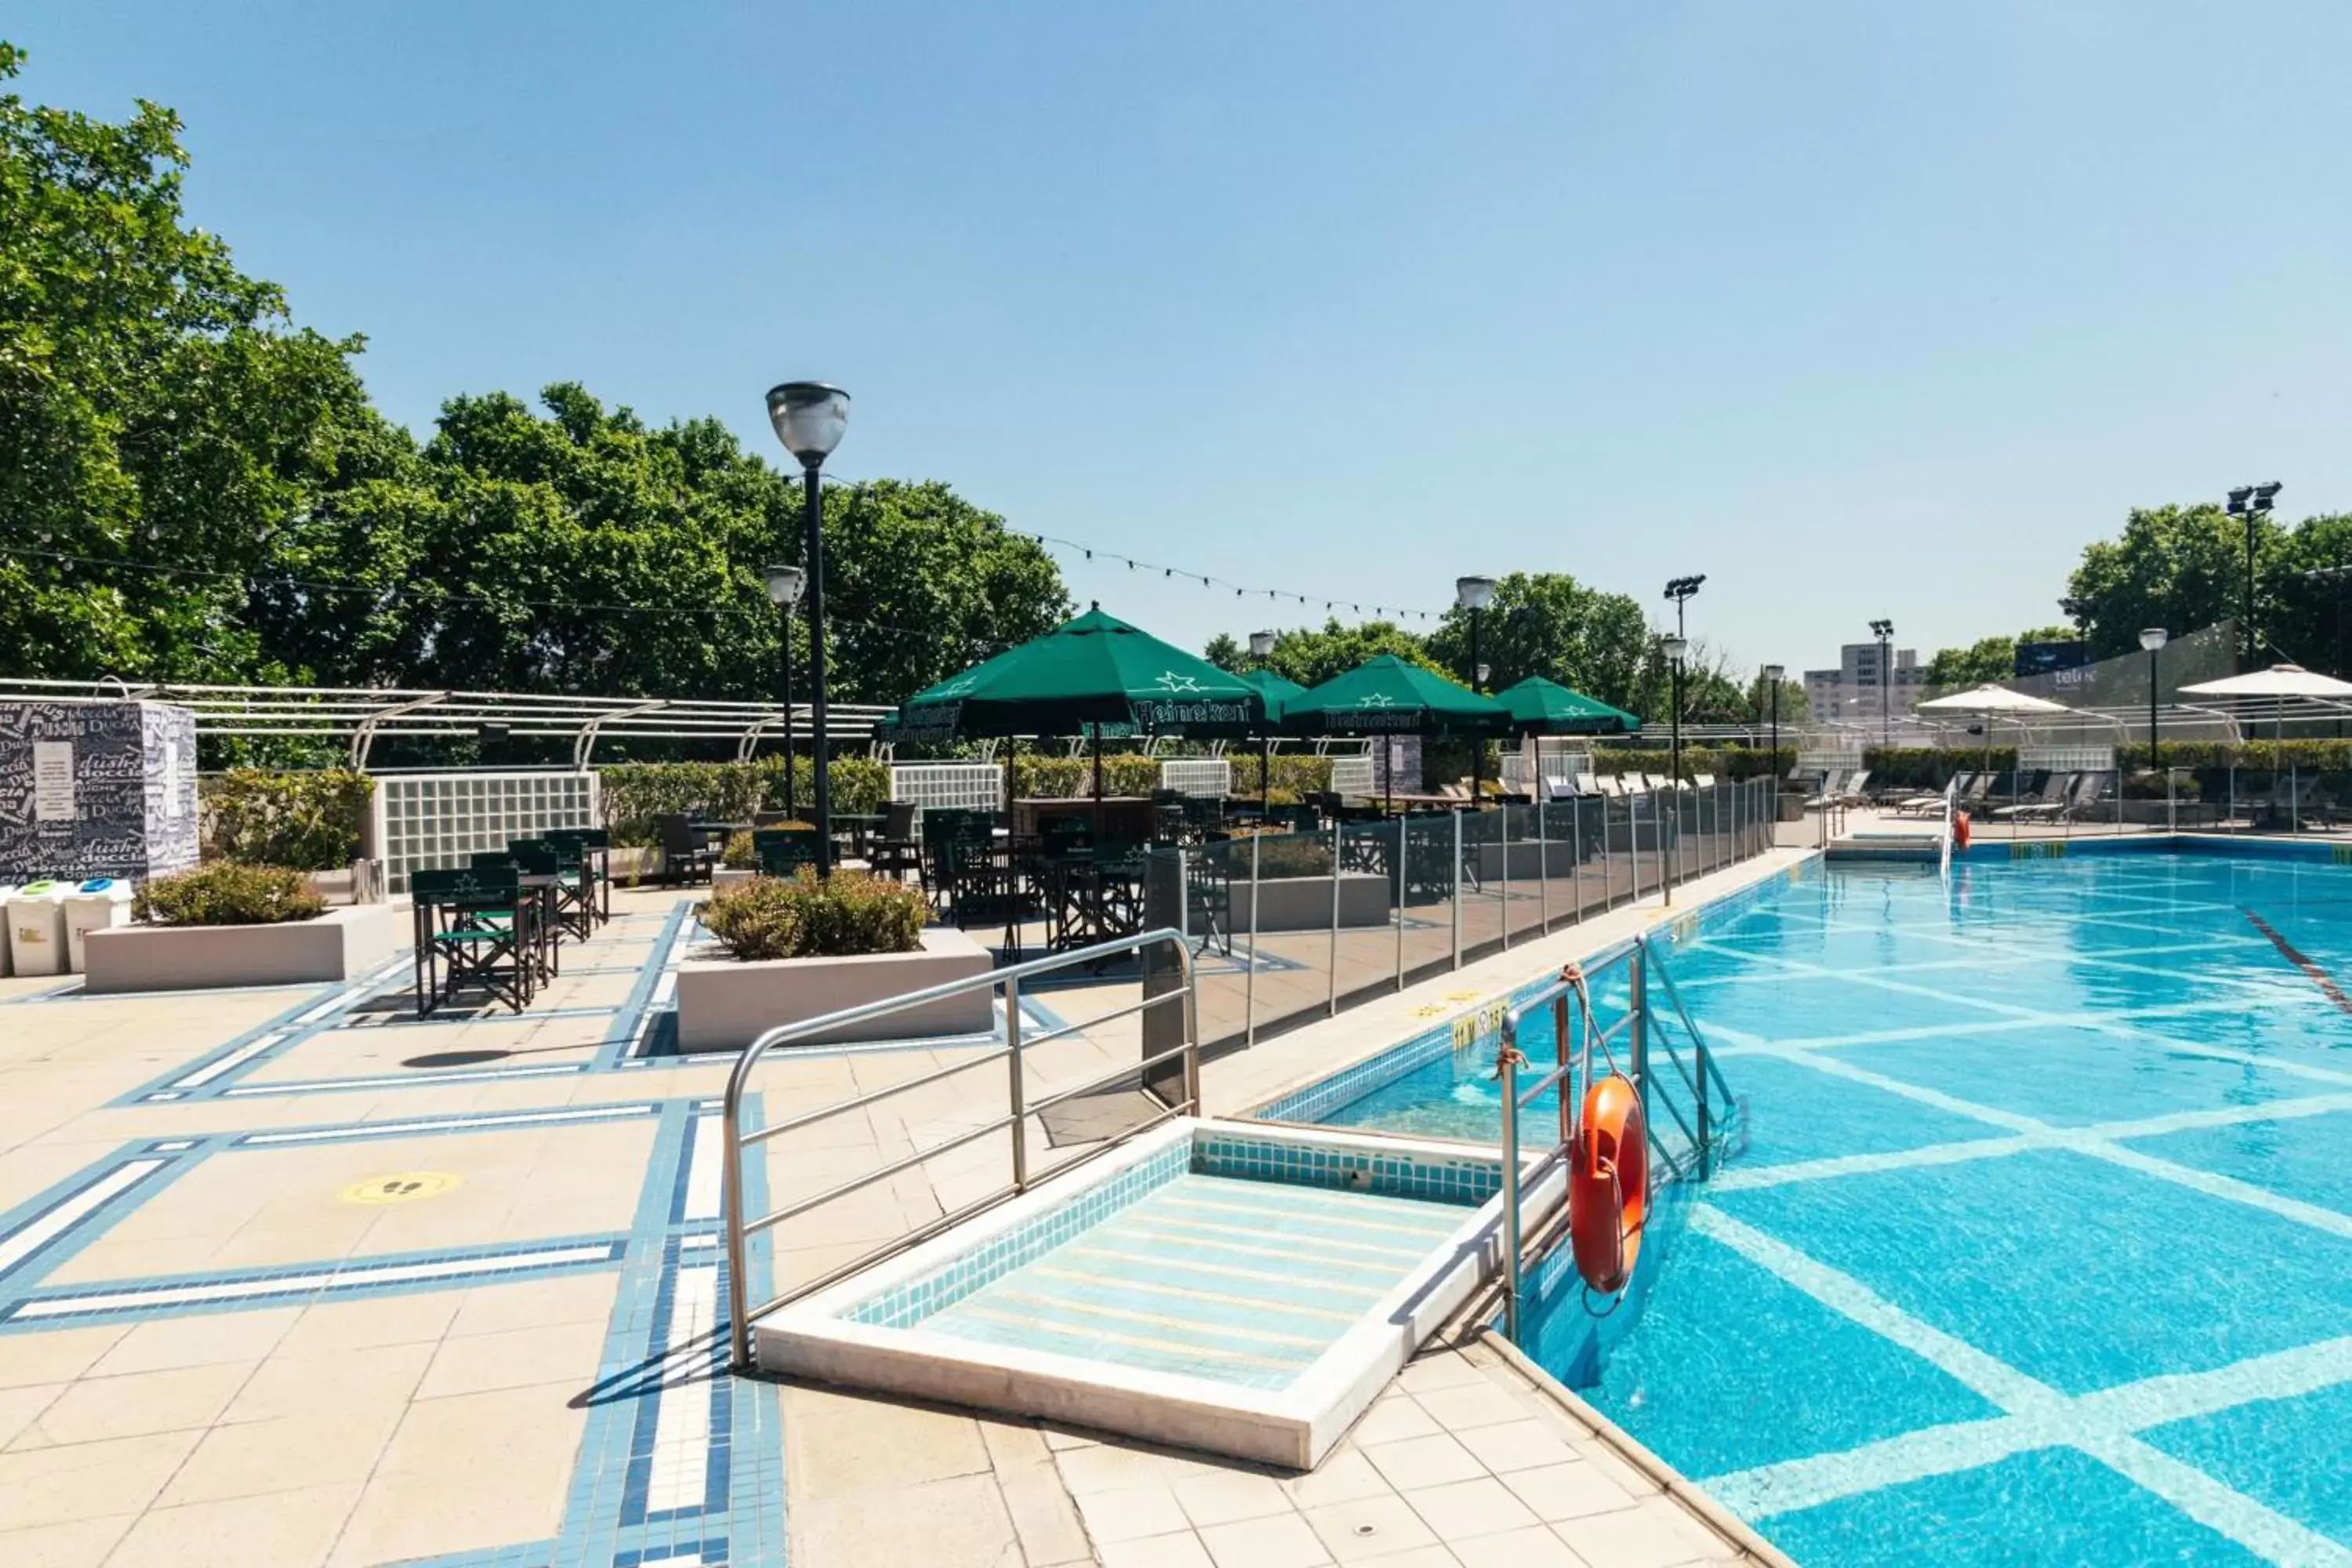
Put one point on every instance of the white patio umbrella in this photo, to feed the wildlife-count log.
(1987, 700)
(2280, 684)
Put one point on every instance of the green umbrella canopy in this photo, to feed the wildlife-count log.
(1277, 689)
(1387, 696)
(1540, 707)
(1096, 669)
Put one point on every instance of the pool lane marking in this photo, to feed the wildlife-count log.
(2287, 949)
(2052, 1415)
(2079, 1141)
(1959, 1151)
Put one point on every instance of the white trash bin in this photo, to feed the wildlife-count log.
(36, 926)
(96, 904)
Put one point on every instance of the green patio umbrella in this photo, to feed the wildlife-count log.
(1540, 707)
(1277, 691)
(1387, 696)
(1086, 675)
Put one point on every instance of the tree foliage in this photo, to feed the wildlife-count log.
(1549, 624)
(192, 488)
(1312, 657)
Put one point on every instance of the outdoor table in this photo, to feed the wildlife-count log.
(541, 886)
(1093, 895)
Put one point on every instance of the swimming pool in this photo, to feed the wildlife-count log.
(2039, 1251)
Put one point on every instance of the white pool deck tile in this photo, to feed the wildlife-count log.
(319, 1405)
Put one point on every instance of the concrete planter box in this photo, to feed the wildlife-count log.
(721, 878)
(634, 862)
(342, 944)
(724, 1004)
(1304, 903)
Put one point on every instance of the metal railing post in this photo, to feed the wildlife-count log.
(1020, 1089)
(1511, 1185)
(1638, 1048)
(1457, 901)
(1333, 1004)
(1706, 1132)
(1399, 869)
(739, 1288)
(1249, 982)
(1192, 1059)
(1560, 1058)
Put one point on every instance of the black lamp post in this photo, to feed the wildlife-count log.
(1473, 595)
(1884, 632)
(784, 586)
(809, 417)
(1773, 674)
(2153, 639)
(2252, 502)
(1674, 647)
(1261, 650)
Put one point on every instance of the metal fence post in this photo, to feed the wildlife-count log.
(1503, 882)
(1019, 1090)
(1457, 901)
(1633, 845)
(1638, 1045)
(1249, 979)
(1335, 921)
(1576, 856)
(1543, 865)
(1398, 871)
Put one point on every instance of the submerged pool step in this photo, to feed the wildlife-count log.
(1213, 1277)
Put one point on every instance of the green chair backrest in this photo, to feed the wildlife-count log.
(475, 886)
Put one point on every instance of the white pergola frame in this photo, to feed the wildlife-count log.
(358, 715)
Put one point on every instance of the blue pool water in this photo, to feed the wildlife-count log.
(2039, 1250)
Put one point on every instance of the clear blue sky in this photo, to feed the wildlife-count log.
(1860, 308)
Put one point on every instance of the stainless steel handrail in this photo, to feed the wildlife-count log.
(741, 1228)
(1638, 958)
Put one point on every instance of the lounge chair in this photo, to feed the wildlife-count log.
(1586, 783)
(1929, 805)
(2051, 799)
(1832, 786)
(1857, 790)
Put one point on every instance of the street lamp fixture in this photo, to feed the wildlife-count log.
(1473, 593)
(1681, 590)
(784, 586)
(809, 417)
(1261, 645)
(1884, 632)
(2252, 502)
(1773, 674)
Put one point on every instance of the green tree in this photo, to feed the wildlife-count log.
(162, 427)
(2177, 567)
(1226, 653)
(2311, 618)
(1311, 657)
(1795, 706)
(1549, 624)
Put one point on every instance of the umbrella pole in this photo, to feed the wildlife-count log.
(1388, 775)
(1097, 729)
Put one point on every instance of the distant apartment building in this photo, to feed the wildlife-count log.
(1854, 691)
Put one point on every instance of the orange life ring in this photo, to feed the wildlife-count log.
(1959, 830)
(1609, 1184)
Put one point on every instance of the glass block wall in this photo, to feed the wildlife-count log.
(424, 821)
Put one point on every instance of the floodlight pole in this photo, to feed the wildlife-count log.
(2252, 502)
(2153, 639)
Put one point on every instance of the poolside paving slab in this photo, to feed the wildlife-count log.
(509, 1419)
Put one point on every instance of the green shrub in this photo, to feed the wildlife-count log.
(1295, 775)
(636, 793)
(313, 821)
(848, 915)
(227, 893)
(1287, 855)
(738, 855)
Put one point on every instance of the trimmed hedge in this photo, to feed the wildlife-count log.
(636, 793)
(848, 915)
(226, 893)
(311, 821)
